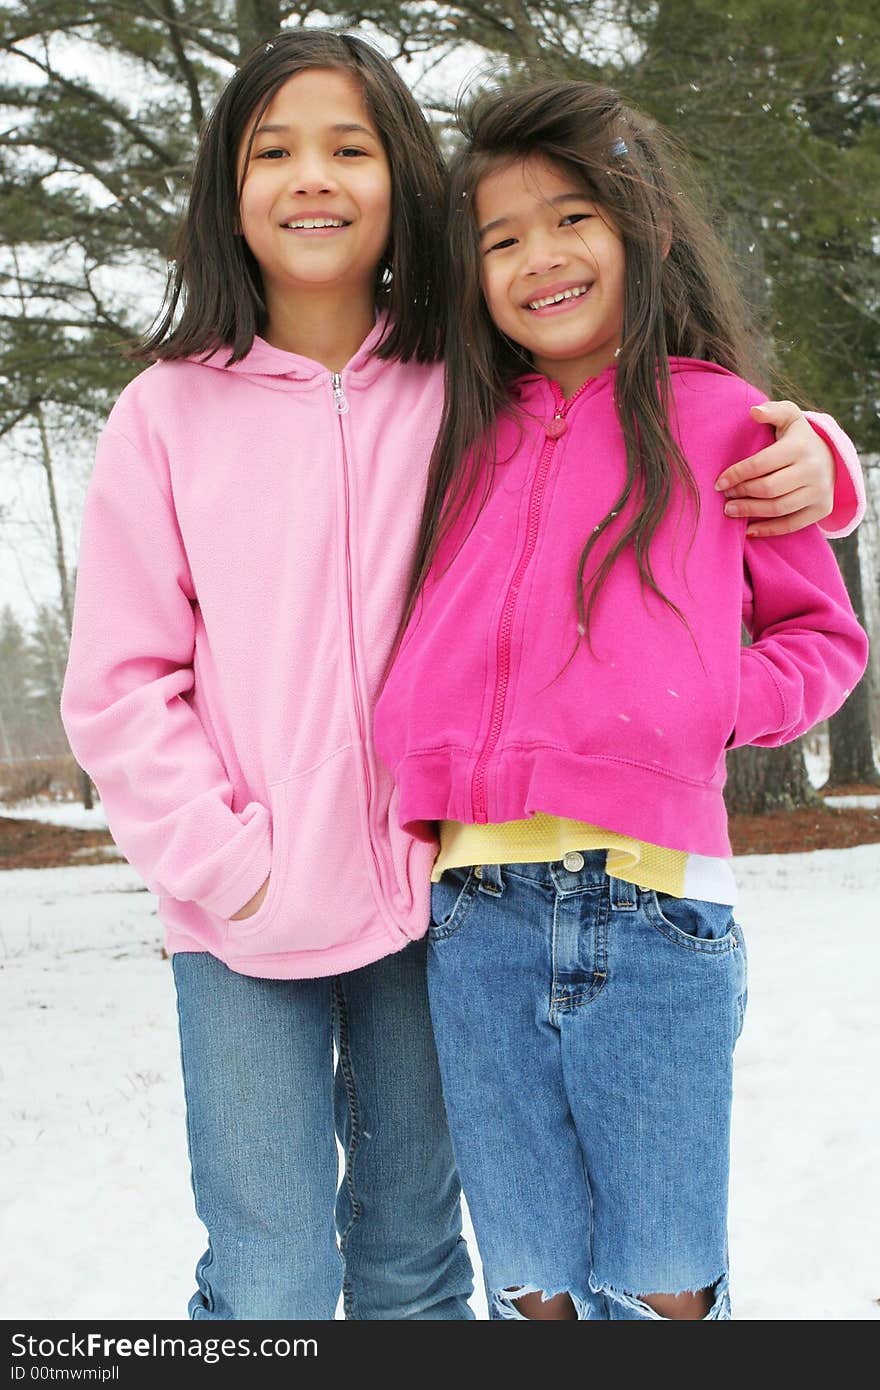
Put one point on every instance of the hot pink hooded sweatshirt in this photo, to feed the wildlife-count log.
(245, 551)
(495, 710)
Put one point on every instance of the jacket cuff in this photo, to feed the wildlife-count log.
(761, 715)
(252, 866)
(849, 485)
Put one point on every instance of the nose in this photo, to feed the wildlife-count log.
(311, 174)
(542, 255)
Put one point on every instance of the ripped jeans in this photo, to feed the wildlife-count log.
(585, 1029)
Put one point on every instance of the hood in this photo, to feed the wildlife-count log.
(278, 370)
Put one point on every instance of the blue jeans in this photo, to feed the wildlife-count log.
(586, 1030)
(263, 1109)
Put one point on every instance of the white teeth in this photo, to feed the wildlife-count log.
(558, 298)
(308, 224)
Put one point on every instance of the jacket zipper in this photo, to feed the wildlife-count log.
(554, 430)
(341, 407)
(340, 400)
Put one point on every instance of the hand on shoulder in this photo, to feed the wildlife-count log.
(787, 485)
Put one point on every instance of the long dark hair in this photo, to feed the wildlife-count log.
(680, 298)
(214, 276)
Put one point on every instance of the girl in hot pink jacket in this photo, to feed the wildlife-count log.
(248, 534)
(563, 697)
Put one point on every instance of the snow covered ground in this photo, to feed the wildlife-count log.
(57, 813)
(865, 802)
(98, 1219)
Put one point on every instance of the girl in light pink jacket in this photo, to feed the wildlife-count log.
(247, 537)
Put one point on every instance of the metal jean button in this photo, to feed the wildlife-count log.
(573, 861)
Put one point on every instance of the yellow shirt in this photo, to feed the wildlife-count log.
(543, 838)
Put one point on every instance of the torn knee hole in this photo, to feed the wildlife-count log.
(530, 1301)
(692, 1304)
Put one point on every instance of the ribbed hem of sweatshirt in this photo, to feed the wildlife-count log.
(301, 965)
(631, 798)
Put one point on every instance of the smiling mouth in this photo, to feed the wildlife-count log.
(314, 224)
(576, 292)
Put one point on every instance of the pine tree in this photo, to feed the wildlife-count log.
(18, 717)
(48, 646)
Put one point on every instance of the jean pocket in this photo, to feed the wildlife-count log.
(451, 902)
(693, 924)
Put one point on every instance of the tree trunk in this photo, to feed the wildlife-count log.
(85, 789)
(849, 731)
(768, 779)
(526, 36)
(256, 21)
(5, 745)
(57, 528)
(85, 782)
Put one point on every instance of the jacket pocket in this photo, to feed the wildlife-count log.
(249, 926)
(319, 893)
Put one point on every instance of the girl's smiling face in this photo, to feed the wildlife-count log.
(315, 205)
(552, 268)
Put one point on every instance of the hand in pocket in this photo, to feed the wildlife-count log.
(252, 905)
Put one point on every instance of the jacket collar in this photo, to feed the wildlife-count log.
(276, 368)
(535, 392)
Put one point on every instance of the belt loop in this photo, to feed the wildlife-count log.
(490, 878)
(624, 896)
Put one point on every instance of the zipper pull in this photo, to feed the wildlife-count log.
(340, 400)
(557, 426)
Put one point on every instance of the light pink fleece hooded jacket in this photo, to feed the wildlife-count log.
(244, 554)
(245, 551)
(494, 710)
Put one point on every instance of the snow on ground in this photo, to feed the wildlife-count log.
(817, 759)
(867, 802)
(57, 813)
(98, 1219)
